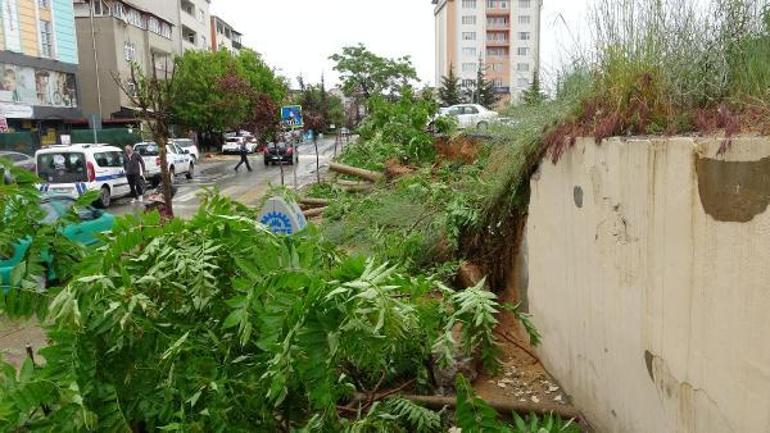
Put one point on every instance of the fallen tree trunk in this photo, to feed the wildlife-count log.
(503, 407)
(314, 202)
(358, 188)
(312, 213)
(369, 175)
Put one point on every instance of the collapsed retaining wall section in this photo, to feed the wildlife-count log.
(649, 277)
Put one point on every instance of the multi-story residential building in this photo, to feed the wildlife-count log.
(503, 34)
(38, 63)
(111, 35)
(194, 25)
(224, 36)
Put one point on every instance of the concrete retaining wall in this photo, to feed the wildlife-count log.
(649, 277)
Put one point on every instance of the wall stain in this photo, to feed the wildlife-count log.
(733, 191)
(577, 194)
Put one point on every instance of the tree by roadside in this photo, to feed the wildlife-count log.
(483, 92)
(220, 91)
(364, 73)
(155, 97)
(534, 95)
(315, 99)
(450, 92)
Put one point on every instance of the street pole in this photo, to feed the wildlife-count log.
(296, 163)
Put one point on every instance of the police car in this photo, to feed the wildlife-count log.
(73, 170)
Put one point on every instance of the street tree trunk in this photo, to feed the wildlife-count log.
(317, 159)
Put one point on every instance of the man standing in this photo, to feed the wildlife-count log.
(244, 152)
(134, 166)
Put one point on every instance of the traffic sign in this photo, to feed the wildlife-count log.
(291, 116)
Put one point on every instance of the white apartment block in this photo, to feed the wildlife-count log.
(504, 34)
(194, 25)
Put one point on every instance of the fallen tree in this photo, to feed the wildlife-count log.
(371, 176)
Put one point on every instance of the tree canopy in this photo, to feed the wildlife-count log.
(216, 91)
(367, 74)
(450, 93)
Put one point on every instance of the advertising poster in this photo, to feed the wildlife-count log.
(11, 26)
(291, 116)
(22, 85)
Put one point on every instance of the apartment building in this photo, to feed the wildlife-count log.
(112, 34)
(194, 25)
(38, 63)
(504, 34)
(224, 36)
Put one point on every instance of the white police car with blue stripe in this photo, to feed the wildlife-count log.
(73, 170)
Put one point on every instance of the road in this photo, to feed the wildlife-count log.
(243, 186)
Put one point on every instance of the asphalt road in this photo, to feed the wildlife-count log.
(243, 186)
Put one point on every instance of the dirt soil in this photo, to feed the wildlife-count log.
(14, 338)
(522, 377)
(461, 148)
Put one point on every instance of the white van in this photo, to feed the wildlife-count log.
(73, 170)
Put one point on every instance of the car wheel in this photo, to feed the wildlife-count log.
(190, 172)
(104, 198)
(172, 175)
(155, 181)
(267, 163)
(482, 125)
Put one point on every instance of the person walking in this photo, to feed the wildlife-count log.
(134, 166)
(244, 152)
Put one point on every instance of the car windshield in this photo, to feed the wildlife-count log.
(62, 167)
(184, 143)
(147, 150)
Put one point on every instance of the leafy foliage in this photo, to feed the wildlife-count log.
(483, 91)
(450, 93)
(364, 73)
(215, 324)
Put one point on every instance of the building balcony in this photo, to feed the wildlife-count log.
(498, 26)
(497, 12)
(501, 90)
(498, 43)
(237, 45)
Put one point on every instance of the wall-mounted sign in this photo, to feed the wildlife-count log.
(13, 111)
(29, 86)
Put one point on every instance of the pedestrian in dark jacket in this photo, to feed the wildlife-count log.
(244, 152)
(134, 166)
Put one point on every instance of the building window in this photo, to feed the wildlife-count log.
(468, 83)
(524, 36)
(469, 67)
(522, 82)
(469, 4)
(497, 67)
(469, 19)
(100, 8)
(46, 39)
(497, 21)
(153, 25)
(525, 3)
(469, 51)
(524, 19)
(134, 17)
(43, 4)
(165, 30)
(129, 51)
(204, 43)
(498, 83)
(522, 67)
(497, 51)
(497, 36)
(497, 4)
(522, 51)
(469, 36)
(201, 15)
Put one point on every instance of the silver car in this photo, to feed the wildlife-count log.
(19, 159)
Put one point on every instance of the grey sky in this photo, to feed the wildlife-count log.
(299, 36)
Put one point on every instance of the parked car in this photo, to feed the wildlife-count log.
(470, 115)
(19, 159)
(233, 145)
(85, 231)
(280, 152)
(73, 170)
(179, 161)
(188, 144)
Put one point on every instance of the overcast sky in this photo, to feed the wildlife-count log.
(299, 38)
